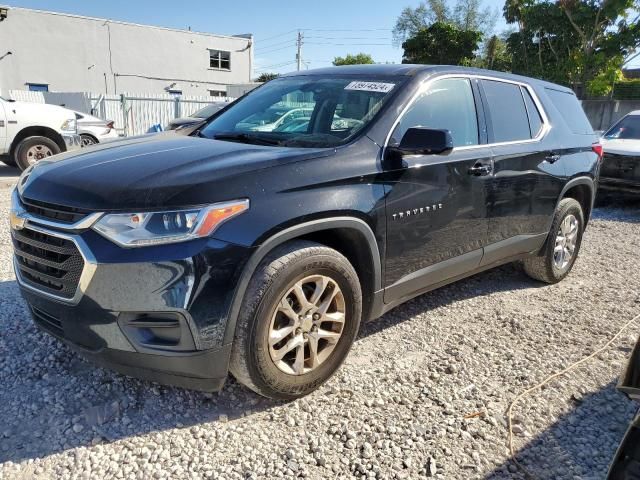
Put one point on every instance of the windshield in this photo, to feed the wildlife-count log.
(627, 128)
(304, 111)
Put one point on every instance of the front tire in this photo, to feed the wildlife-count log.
(32, 149)
(560, 251)
(300, 316)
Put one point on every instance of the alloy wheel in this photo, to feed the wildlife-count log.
(87, 141)
(566, 241)
(306, 325)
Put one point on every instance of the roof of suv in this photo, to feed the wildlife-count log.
(422, 71)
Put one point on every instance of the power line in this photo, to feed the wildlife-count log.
(276, 65)
(349, 29)
(348, 44)
(350, 38)
(263, 52)
(279, 35)
(289, 40)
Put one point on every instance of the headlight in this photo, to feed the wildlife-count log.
(155, 228)
(69, 125)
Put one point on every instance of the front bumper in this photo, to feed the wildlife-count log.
(158, 313)
(72, 141)
(97, 336)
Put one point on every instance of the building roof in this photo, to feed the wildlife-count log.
(120, 22)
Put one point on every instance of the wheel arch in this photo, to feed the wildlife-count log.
(37, 131)
(343, 234)
(581, 189)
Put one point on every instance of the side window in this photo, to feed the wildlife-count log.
(507, 111)
(535, 119)
(448, 104)
(571, 111)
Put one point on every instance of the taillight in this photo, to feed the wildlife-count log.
(110, 125)
(597, 149)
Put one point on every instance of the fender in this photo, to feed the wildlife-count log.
(583, 180)
(289, 234)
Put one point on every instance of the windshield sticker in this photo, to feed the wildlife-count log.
(370, 86)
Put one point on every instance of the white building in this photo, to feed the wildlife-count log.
(70, 53)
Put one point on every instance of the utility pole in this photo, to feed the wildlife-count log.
(299, 45)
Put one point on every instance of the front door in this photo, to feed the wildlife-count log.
(436, 205)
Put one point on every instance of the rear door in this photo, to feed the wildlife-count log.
(528, 176)
(436, 205)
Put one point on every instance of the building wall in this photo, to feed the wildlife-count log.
(604, 113)
(73, 53)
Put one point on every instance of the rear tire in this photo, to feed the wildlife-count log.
(32, 149)
(560, 251)
(300, 316)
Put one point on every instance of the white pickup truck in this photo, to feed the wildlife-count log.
(32, 131)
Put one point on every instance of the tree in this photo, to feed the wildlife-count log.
(266, 76)
(580, 43)
(441, 44)
(494, 55)
(465, 15)
(357, 59)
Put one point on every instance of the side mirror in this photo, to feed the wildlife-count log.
(424, 141)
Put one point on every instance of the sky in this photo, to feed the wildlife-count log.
(330, 27)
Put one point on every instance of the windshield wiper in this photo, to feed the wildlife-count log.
(245, 138)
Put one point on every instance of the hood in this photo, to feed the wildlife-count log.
(621, 146)
(156, 171)
(41, 110)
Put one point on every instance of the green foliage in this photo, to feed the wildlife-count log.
(441, 44)
(580, 43)
(465, 15)
(357, 59)
(265, 77)
(627, 90)
(494, 55)
(602, 84)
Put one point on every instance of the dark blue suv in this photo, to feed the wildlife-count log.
(256, 245)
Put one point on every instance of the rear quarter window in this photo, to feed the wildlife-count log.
(571, 111)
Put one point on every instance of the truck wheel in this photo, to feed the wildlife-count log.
(32, 149)
(562, 246)
(300, 316)
(88, 140)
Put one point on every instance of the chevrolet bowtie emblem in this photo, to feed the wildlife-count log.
(16, 220)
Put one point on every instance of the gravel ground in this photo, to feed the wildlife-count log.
(422, 394)
(8, 176)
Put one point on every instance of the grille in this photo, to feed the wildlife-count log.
(47, 262)
(53, 212)
(47, 320)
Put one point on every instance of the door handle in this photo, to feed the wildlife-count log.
(552, 157)
(480, 169)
